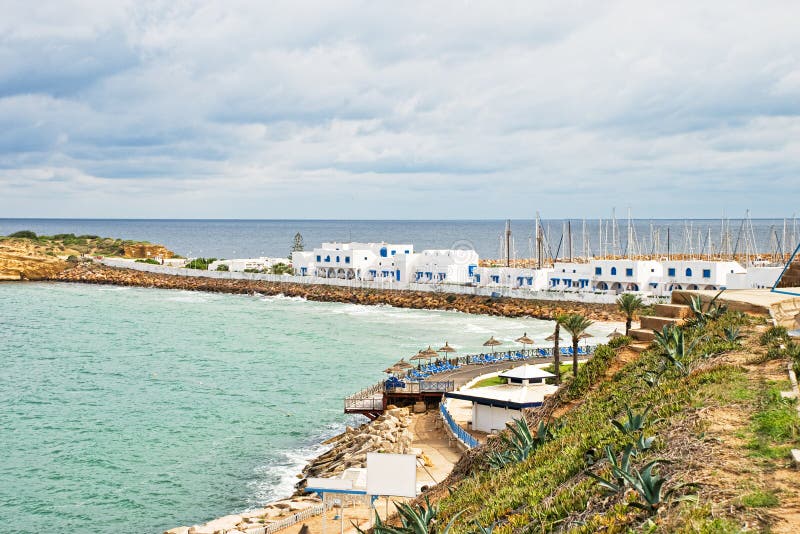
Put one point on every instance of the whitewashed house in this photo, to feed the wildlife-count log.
(699, 274)
(240, 264)
(352, 261)
(515, 277)
(438, 266)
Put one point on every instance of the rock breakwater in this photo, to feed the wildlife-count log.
(389, 433)
(94, 273)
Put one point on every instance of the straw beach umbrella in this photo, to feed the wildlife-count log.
(446, 349)
(615, 334)
(403, 364)
(492, 342)
(418, 357)
(525, 340)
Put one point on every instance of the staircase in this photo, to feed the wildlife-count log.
(666, 314)
(791, 277)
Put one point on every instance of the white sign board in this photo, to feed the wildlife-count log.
(391, 475)
(329, 484)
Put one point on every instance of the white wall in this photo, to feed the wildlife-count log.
(489, 418)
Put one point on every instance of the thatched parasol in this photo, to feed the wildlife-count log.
(525, 340)
(492, 342)
(403, 364)
(430, 352)
(446, 348)
(615, 334)
(552, 337)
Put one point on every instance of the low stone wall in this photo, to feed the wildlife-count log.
(505, 306)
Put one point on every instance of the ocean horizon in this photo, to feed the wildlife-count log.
(242, 238)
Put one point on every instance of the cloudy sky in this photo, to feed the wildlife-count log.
(398, 110)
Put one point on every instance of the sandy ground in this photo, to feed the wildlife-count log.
(429, 435)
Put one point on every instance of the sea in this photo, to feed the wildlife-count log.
(137, 410)
(274, 238)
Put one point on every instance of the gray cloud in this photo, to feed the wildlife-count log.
(369, 109)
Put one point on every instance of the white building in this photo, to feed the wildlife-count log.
(494, 406)
(699, 274)
(238, 265)
(533, 279)
(349, 261)
(438, 266)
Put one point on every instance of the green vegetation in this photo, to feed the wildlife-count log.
(576, 324)
(629, 304)
(24, 234)
(223, 267)
(760, 499)
(298, 245)
(200, 263)
(150, 261)
(61, 244)
(419, 519)
(281, 268)
(491, 381)
(619, 431)
(620, 341)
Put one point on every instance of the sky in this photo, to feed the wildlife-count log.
(399, 110)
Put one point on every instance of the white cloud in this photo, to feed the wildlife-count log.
(367, 109)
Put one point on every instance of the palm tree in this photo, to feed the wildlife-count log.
(556, 350)
(576, 324)
(629, 304)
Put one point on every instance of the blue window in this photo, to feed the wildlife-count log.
(407, 252)
(373, 273)
(394, 252)
(671, 271)
(337, 259)
(688, 272)
(628, 272)
(472, 269)
(478, 278)
(319, 258)
(613, 271)
(706, 273)
(328, 259)
(383, 252)
(347, 259)
(303, 271)
(598, 270)
(397, 275)
(495, 279)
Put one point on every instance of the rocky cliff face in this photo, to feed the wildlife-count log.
(146, 250)
(22, 260)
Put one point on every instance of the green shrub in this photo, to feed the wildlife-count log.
(774, 335)
(150, 261)
(25, 234)
(621, 341)
(223, 267)
(760, 499)
(200, 263)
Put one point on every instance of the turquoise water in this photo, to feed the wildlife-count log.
(136, 410)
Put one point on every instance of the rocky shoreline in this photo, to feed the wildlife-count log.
(389, 433)
(95, 273)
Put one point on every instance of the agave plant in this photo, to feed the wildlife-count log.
(616, 483)
(480, 529)
(711, 312)
(419, 519)
(731, 334)
(634, 423)
(650, 487)
(675, 348)
(520, 443)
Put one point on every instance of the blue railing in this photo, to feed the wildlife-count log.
(459, 432)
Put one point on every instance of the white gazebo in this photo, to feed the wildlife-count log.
(494, 406)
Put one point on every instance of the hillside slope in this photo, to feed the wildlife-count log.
(721, 437)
